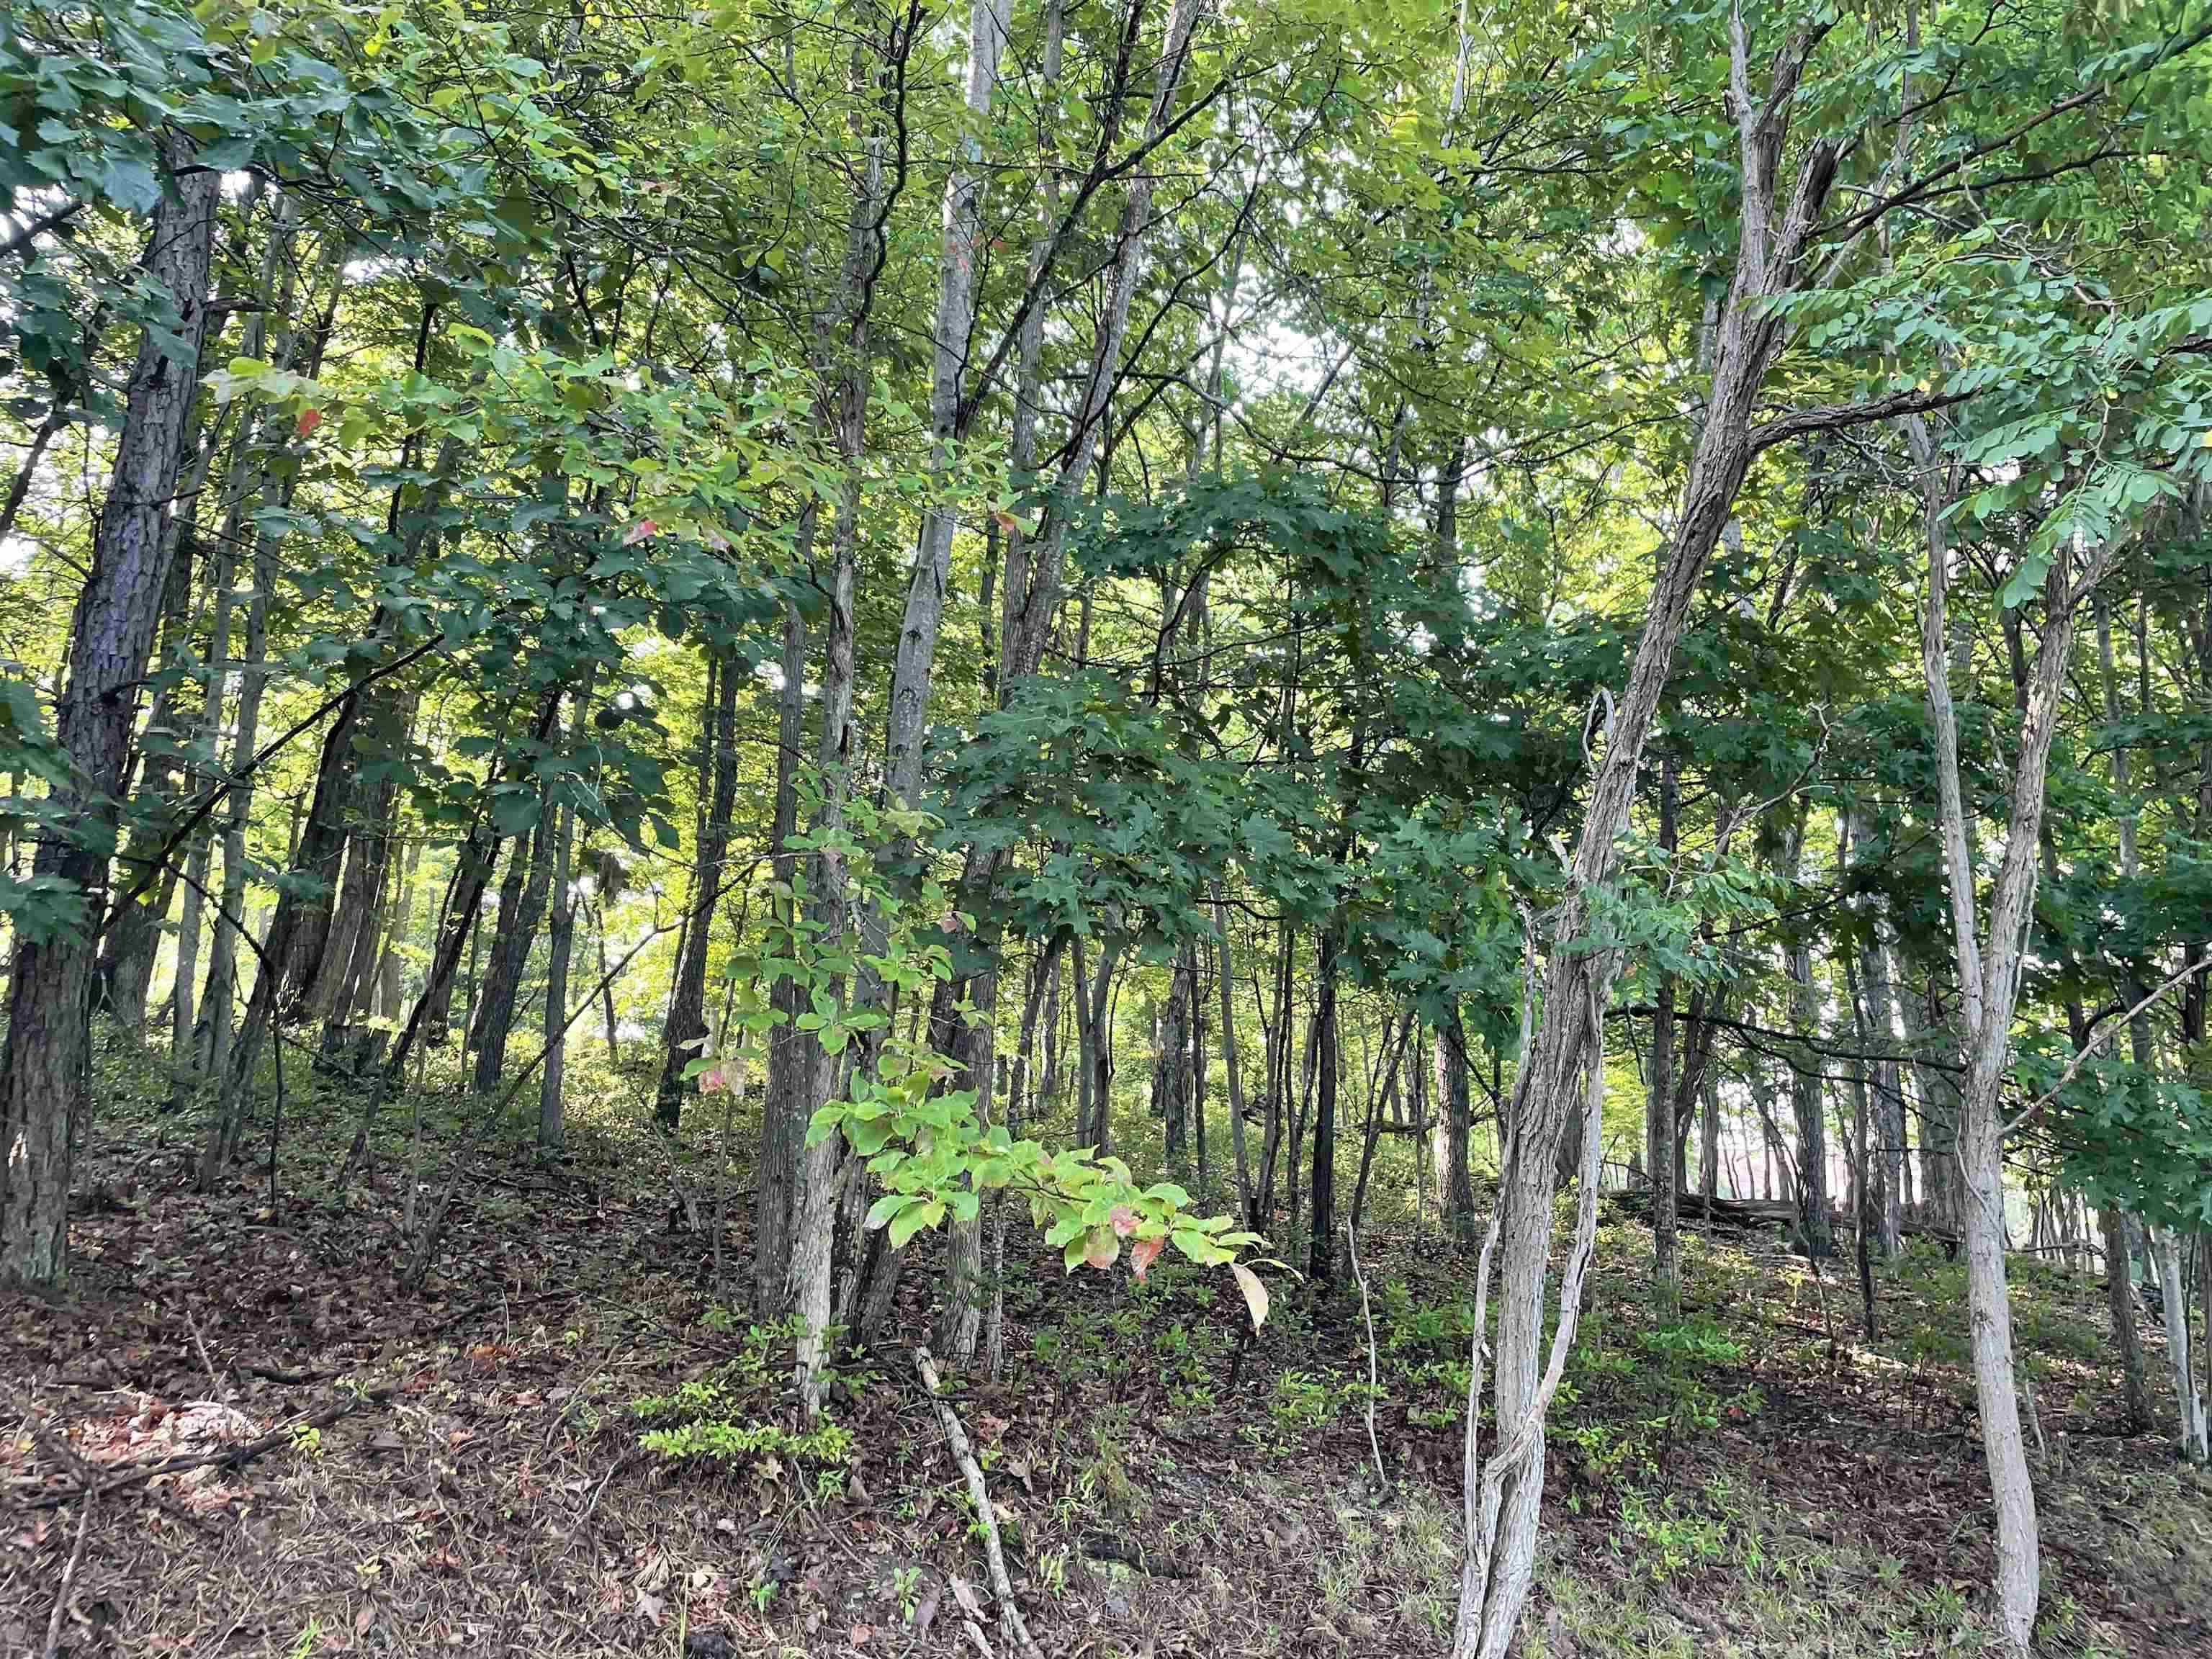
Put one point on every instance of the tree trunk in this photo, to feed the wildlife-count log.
(42, 1115)
(1454, 1117)
(1095, 1125)
(521, 912)
(1988, 978)
(782, 1127)
(1502, 1492)
(1807, 1100)
(1322, 1251)
(2173, 1303)
(214, 1047)
(134, 931)
(1233, 1078)
(843, 357)
(1659, 1097)
(685, 1032)
(1172, 1060)
(560, 943)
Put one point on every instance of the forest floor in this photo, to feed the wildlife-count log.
(460, 1469)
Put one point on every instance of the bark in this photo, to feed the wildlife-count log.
(687, 1015)
(2120, 1303)
(134, 933)
(2173, 1301)
(1989, 955)
(1454, 1118)
(1095, 1122)
(1503, 1490)
(492, 1007)
(1806, 1104)
(2119, 1286)
(42, 1112)
(1709, 1152)
(1659, 1099)
(1235, 1081)
(843, 355)
(560, 945)
(214, 1046)
(1171, 1058)
(1939, 1106)
(781, 1127)
(1321, 1253)
(397, 936)
(1888, 1094)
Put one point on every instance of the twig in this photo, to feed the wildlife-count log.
(69, 1578)
(1374, 1384)
(2097, 1041)
(1010, 1616)
(215, 1377)
(51, 1443)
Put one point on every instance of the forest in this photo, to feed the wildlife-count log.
(1106, 828)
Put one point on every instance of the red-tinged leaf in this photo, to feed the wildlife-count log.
(1124, 1219)
(309, 420)
(862, 1635)
(1103, 1249)
(1008, 523)
(639, 531)
(711, 1081)
(1143, 1253)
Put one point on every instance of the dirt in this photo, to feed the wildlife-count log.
(472, 1480)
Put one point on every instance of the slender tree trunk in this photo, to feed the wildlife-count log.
(2166, 1252)
(1501, 1492)
(1321, 1252)
(687, 1018)
(1988, 977)
(1659, 1097)
(134, 931)
(492, 1010)
(560, 943)
(214, 1048)
(1172, 1060)
(1455, 1116)
(781, 1129)
(42, 1111)
(398, 935)
(1097, 1130)
(843, 357)
(1233, 1078)
(1806, 1094)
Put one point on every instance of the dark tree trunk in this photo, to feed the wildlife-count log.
(687, 1013)
(1321, 1258)
(1455, 1120)
(50, 980)
(521, 913)
(1172, 1060)
(134, 932)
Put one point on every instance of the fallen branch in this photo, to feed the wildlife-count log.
(69, 1577)
(1010, 1616)
(1374, 1385)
